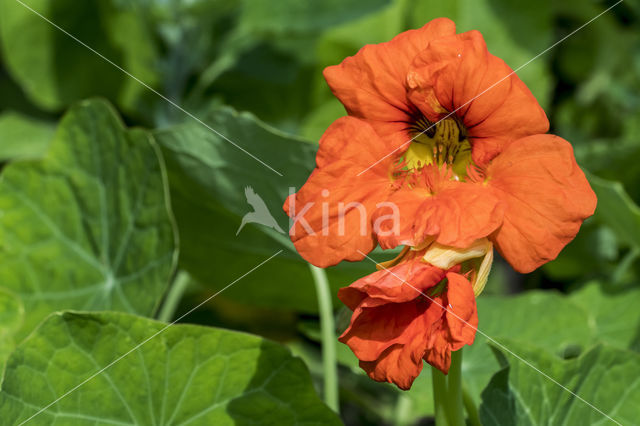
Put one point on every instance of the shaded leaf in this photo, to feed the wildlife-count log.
(617, 210)
(54, 70)
(209, 176)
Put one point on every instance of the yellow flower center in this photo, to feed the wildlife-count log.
(443, 143)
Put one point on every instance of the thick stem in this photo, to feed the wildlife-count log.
(455, 407)
(439, 382)
(327, 328)
(179, 285)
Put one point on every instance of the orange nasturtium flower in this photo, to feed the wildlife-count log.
(444, 152)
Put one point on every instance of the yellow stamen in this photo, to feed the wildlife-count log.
(442, 143)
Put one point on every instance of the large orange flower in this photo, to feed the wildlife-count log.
(486, 171)
(406, 313)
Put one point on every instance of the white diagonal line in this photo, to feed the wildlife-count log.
(147, 339)
(148, 87)
(496, 83)
(496, 342)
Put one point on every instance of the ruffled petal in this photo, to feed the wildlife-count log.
(546, 196)
(438, 353)
(373, 330)
(332, 211)
(457, 73)
(396, 365)
(398, 284)
(456, 215)
(371, 84)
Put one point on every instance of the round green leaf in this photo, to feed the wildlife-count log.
(186, 375)
(89, 226)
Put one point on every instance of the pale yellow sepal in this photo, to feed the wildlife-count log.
(446, 257)
(483, 271)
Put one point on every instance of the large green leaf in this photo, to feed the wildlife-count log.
(208, 176)
(605, 378)
(185, 375)
(23, 137)
(89, 226)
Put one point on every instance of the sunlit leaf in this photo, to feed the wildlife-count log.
(185, 375)
(562, 325)
(89, 226)
(11, 317)
(605, 378)
(23, 137)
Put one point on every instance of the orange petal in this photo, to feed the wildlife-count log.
(371, 84)
(457, 73)
(546, 195)
(395, 365)
(398, 284)
(373, 330)
(332, 209)
(438, 353)
(456, 215)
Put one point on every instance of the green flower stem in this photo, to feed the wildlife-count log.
(402, 409)
(327, 328)
(439, 382)
(470, 407)
(171, 301)
(455, 407)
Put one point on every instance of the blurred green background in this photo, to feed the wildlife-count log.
(252, 70)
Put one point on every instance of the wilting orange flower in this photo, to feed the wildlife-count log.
(396, 324)
(443, 152)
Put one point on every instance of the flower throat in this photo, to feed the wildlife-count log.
(444, 143)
